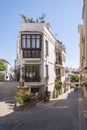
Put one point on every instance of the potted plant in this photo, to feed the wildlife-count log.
(23, 88)
(58, 87)
(47, 95)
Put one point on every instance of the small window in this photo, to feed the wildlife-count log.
(46, 42)
(46, 70)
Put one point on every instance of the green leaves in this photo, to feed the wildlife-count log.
(30, 20)
(1, 77)
(2, 66)
(58, 86)
(75, 78)
(23, 98)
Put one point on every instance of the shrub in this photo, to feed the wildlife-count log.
(23, 98)
(47, 96)
(58, 86)
(46, 99)
(1, 77)
(57, 95)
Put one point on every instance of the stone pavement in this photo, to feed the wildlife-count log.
(10, 118)
(53, 101)
(7, 97)
(82, 107)
(57, 115)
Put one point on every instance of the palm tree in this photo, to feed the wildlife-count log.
(42, 18)
(24, 18)
(30, 20)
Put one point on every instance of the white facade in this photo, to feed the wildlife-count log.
(38, 57)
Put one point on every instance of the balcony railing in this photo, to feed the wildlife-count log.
(32, 79)
(58, 62)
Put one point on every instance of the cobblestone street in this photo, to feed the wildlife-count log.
(61, 114)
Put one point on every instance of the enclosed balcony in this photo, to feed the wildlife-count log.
(32, 73)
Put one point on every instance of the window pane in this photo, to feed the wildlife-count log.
(29, 54)
(37, 53)
(28, 43)
(33, 36)
(33, 43)
(24, 54)
(23, 36)
(28, 36)
(37, 43)
(23, 43)
(38, 36)
(33, 54)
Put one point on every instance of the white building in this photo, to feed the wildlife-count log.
(37, 57)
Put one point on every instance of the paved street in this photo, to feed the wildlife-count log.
(62, 114)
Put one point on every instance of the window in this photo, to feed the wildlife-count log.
(25, 54)
(31, 53)
(23, 42)
(63, 72)
(47, 71)
(28, 41)
(46, 42)
(63, 58)
(37, 54)
(37, 41)
(58, 71)
(31, 45)
(32, 73)
(28, 54)
(31, 41)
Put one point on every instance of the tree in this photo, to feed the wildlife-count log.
(2, 66)
(75, 78)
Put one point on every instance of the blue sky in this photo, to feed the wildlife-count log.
(64, 16)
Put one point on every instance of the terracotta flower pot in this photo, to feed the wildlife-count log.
(23, 90)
